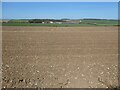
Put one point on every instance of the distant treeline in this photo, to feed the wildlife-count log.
(34, 21)
(43, 20)
(49, 20)
(81, 22)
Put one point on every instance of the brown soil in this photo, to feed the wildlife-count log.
(54, 57)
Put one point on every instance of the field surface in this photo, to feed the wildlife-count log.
(60, 57)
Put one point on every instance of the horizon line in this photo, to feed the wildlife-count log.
(60, 18)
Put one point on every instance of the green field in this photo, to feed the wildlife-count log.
(101, 22)
(83, 23)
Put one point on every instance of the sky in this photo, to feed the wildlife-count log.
(59, 10)
(60, 0)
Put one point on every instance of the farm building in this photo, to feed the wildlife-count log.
(72, 22)
(58, 22)
(51, 22)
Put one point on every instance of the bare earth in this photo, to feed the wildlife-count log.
(60, 57)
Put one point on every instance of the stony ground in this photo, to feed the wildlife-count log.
(60, 57)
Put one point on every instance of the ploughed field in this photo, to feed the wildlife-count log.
(59, 57)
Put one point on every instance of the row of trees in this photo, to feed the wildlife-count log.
(34, 21)
(43, 20)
